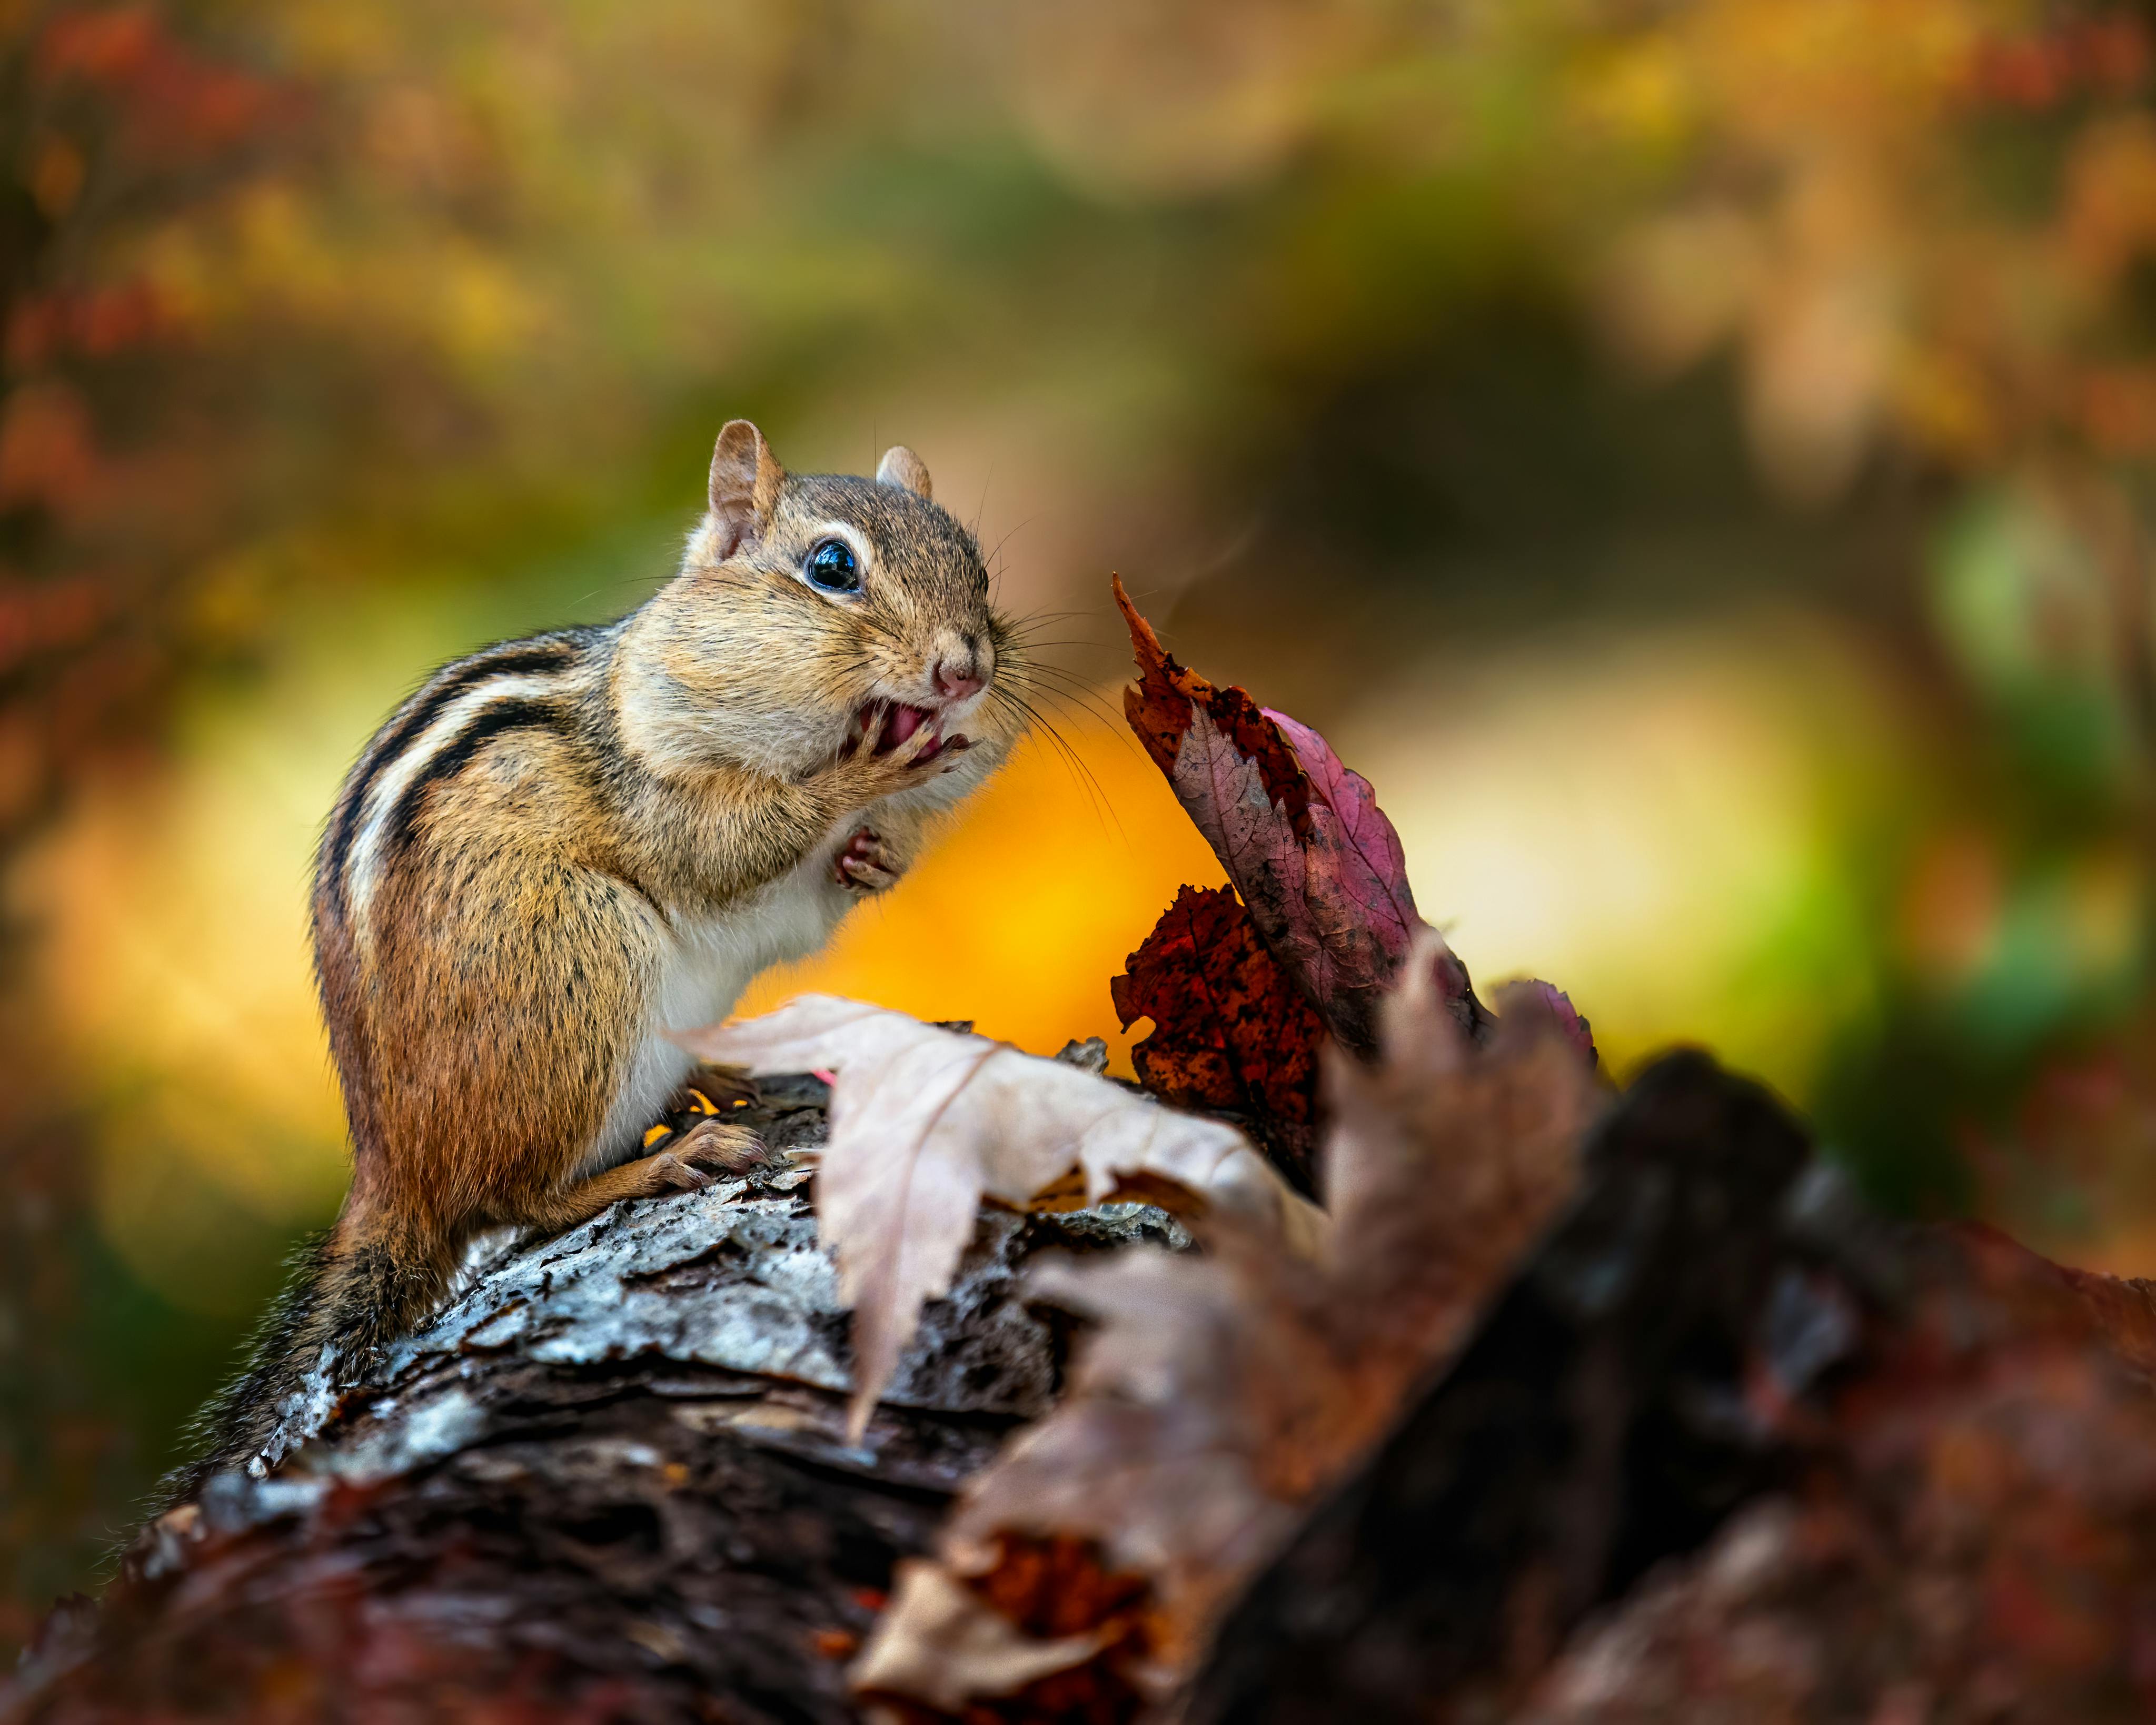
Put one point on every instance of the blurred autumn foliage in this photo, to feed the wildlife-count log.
(114, 499)
(1694, 456)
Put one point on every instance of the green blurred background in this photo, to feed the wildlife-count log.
(1693, 455)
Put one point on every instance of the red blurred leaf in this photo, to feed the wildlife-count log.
(176, 100)
(1229, 1030)
(1539, 995)
(48, 451)
(1316, 862)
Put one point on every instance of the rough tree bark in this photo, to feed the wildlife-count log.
(610, 1482)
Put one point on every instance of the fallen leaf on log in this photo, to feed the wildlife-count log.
(1221, 1393)
(925, 1121)
(1230, 1033)
(956, 1650)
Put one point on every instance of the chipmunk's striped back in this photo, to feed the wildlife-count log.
(534, 683)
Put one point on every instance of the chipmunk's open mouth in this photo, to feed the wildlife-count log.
(891, 723)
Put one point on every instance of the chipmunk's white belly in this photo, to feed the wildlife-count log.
(706, 964)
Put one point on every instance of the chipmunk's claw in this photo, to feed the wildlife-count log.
(868, 864)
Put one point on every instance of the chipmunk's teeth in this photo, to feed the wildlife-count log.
(904, 722)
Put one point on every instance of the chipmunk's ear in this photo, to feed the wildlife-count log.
(901, 466)
(744, 490)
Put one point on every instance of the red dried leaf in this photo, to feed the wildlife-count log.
(1160, 707)
(1229, 1031)
(1317, 864)
(1048, 1635)
(1362, 853)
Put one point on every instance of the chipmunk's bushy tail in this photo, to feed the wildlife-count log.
(347, 1293)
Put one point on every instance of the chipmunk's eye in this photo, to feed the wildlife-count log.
(830, 566)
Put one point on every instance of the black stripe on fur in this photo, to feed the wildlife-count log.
(513, 659)
(459, 751)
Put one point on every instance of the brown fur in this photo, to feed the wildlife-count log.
(490, 941)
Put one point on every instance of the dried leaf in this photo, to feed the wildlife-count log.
(956, 1647)
(1611, 1405)
(1159, 709)
(1229, 1031)
(1302, 839)
(1538, 996)
(1221, 1391)
(925, 1121)
(1370, 855)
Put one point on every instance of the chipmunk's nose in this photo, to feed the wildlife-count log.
(958, 675)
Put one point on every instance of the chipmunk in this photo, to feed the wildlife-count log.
(561, 848)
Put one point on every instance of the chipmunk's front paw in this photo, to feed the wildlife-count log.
(867, 864)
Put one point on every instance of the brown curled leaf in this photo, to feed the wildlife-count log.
(1222, 1392)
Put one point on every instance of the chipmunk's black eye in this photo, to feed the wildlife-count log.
(830, 566)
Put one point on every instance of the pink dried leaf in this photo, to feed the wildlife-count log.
(1330, 899)
(1372, 866)
(1537, 996)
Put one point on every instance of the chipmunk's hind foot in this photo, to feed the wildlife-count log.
(716, 1149)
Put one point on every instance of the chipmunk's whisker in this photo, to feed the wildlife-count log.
(1074, 763)
(1086, 697)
